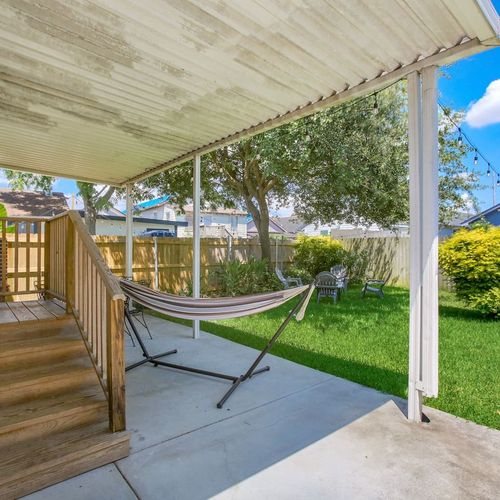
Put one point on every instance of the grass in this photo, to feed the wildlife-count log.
(366, 341)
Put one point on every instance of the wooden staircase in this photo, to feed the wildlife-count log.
(54, 415)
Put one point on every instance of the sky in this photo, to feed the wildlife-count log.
(471, 85)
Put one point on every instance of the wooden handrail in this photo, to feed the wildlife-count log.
(78, 272)
(110, 281)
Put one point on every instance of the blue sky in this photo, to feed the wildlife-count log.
(467, 84)
(464, 88)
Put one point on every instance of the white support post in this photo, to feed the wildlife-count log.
(423, 154)
(430, 229)
(129, 241)
(196, 236)
(155, 250)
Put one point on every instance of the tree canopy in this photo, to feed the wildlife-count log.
(348, 163)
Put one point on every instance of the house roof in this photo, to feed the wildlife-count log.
(145, 205)
(32, 203)
(291, 224)
(475, 218)
(144, 220)
(113, 91)
(274, 226)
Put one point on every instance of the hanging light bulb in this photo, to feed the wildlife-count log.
(488, 172)
(375, 105)
(460, 140)
(498, 180)
(475, 157)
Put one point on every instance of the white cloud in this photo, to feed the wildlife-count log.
(486, 111)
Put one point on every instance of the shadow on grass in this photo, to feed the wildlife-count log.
(462, 312)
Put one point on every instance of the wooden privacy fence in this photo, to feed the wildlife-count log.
(388, 256)
(173, 257)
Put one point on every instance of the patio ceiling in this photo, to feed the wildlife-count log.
(113, 90)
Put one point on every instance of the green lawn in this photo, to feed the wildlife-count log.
(366, 340)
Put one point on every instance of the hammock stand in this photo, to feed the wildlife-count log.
(298, 311)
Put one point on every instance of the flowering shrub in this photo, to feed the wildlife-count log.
(471, 258)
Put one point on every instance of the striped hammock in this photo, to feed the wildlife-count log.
(214, 308)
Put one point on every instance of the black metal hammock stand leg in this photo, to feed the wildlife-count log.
(236, 381)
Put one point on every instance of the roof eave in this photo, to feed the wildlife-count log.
(445, 56)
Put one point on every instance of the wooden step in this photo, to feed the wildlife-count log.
(29, 383)
(48, 328)
(42, 462)
(53, 410)
(50, 349)
(34, 419)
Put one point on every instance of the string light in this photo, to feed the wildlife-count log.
(375, 105)
(462, 136)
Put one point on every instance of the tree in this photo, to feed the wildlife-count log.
(347, 163)
(247, 174)
(24, 180)
(95, 198)
(358, 165)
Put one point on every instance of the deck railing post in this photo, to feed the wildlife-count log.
(115, 363)
(70, 264)
(46, 260)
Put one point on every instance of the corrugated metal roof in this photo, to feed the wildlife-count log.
(107, 90)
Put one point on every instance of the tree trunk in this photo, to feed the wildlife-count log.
(90, 216)
(265, 240)
(260, 217)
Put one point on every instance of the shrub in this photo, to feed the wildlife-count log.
(314, 254)
(471, 258)
(242, 278)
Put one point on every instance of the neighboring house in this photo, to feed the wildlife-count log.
(490, 215)
(214, 223)
(295, 226)
(446, 230)
(158, 208)
(276, 230)
(111, 222)
(292, 225)
(32, 204)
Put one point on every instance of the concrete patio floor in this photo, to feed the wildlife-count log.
(291, 433)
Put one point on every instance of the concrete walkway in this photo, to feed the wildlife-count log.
(291, 433)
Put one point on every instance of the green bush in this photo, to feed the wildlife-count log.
(242, 278)
(314, 254)
(471, 258)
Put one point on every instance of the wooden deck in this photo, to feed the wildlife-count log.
(32, 310)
